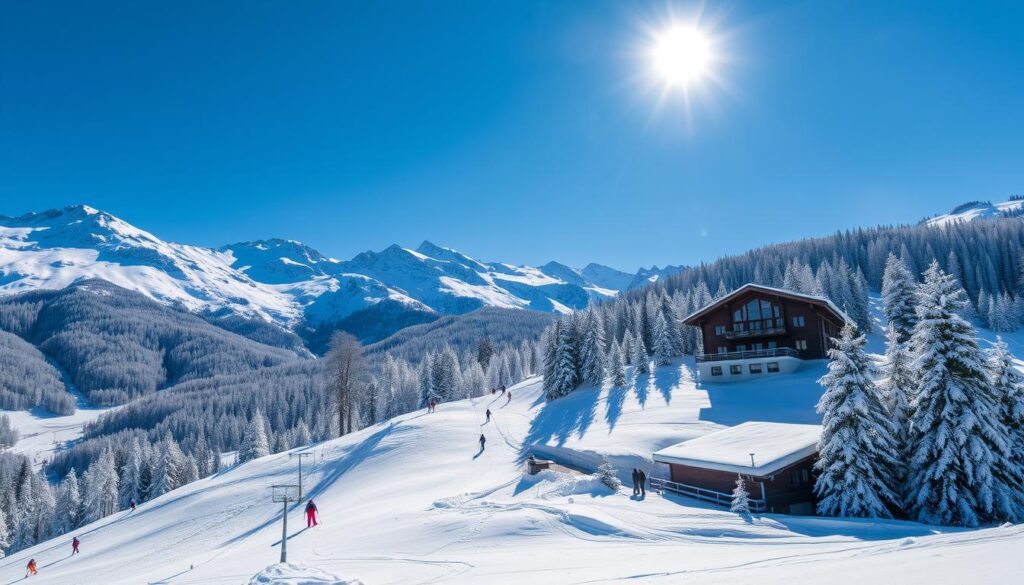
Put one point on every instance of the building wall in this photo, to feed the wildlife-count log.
(785, 364)
(791, 487)
(817, 329)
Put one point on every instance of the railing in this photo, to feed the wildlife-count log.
(747, 355)
(748, 333)
(659, 485)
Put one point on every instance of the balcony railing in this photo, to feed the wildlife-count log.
(748, 333)
(748, 355)
(659, 485)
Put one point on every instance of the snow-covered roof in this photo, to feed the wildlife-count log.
(780, 291)
(774, 445)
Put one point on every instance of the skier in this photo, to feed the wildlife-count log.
(483, 440)
(74, 545)
(636, 480)
(132, 504)
(310, 514)
(509, 398)
(493, 391)
(488, 415)
(643, 480)
(31, 568)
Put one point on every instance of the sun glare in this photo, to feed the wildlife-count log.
(682, 55)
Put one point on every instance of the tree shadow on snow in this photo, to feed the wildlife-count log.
(560, 419)
(613, 406)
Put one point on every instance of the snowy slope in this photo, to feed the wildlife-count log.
(415, 501)
(976, 210)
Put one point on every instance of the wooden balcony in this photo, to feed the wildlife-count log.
(748, 355)
(661, 486)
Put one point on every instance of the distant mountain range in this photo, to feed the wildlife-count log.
(287, 282)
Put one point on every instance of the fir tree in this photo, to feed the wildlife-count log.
(565, 375)
(663, 349)
(740, 497)
(857, 452)
(1008, 385)
(896, 386)
(958, 445)
(254, 442)
(592, 349)
(616, 366)
(641, 362)
(68, 508)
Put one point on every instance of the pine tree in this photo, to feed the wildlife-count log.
(592, 349)
(68, 508)
(5, 535)
(1008, 385)
(958, 445)
(550, 361)
(565, 375)
(896, 387)
(606, 474)
(131, 475)
(641, 362)
(101, 490)
(857, 452)
(254, 442)
(663, 350)
(899, 297)
(616, 367)
(740, 497)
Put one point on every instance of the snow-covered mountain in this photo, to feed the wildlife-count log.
(284, 281)
(977, 210)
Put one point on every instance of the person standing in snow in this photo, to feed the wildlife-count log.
(643, 481)
(483, 441)
(310, 514)
(31, 568)
(636, 480)
(488, 415)
(509, 399)
(132, 504)
(74, 545)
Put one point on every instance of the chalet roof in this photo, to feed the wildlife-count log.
(839, 314)
(774, 445)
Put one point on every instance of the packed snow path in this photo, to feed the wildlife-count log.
(414, 500)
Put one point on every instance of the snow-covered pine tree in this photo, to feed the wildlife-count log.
(131, 475)
(899, 297)
(857, 452)
(167, 461)
(204, 457)
(68, 507)
(640, 359)
(606, 474)
(1008, 384)
(565, 374)
(627, 348)
(550, 358)
(663, 347)
(5, 535)
(896, 386)
(616, 366)
(957, 443)
(101, 493)
(740, 497)
(254, 442)
(592, 349)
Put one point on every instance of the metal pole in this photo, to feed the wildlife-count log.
(300, 456)
(284, 533)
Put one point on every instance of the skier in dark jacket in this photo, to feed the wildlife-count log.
(133, 504)
(483, 441)
(310, 514)
(74, 545)
(488, 415)
(643, 481)
(636, 481)
(509, 398)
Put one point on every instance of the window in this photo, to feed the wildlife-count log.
(716, 370)
(798, 321)
(757, 346)
(773, 367)
(757, 310)
(719, 329)
(801, 344)
(773, 344)
(755, 368)
(741, 347)
(805, 475)
(723, 349)
(736, 370)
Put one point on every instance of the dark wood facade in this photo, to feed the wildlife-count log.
(789, 490)
(756, 318)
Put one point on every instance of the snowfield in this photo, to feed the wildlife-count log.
(414, 500)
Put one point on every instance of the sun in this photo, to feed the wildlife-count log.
(681, 55)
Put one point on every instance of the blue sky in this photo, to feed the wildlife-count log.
(514, 130)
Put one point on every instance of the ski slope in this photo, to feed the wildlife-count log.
(414, 500)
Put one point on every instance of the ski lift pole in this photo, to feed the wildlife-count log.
(284, 494)
(300, 456)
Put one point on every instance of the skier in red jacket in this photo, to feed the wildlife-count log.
(74, 545)
(310, 514)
